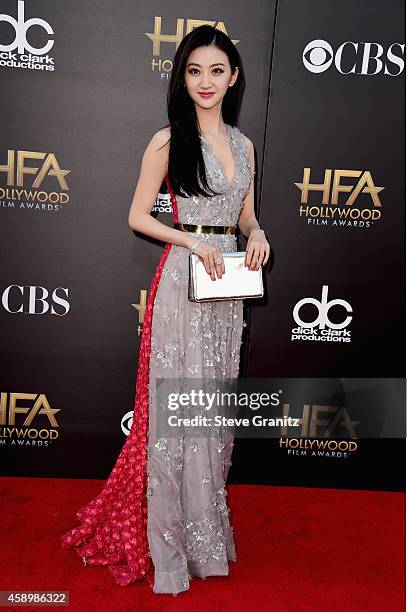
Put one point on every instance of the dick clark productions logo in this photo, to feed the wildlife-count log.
(19, 53)
(322, 328)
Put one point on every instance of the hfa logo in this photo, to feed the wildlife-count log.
(183, 27)
(322, 328)
(38, 194)
(20, 53)
(17, 413)
(141, 309)
(361, 208)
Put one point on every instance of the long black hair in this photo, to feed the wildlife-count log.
(185, 161)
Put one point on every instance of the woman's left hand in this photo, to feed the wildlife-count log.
(257, 250)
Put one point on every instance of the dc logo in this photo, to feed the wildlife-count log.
(317, 56)
(21, 28)
(323, 306)
(127, 422)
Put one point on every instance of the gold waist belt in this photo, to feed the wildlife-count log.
(205, 229)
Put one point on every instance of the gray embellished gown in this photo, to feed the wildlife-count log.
(188, 529)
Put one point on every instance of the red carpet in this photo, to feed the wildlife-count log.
(297, 549)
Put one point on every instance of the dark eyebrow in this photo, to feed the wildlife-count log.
(195, 64)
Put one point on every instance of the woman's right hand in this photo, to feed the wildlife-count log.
(209, 253)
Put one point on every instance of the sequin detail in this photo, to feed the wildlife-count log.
(125, 527)
(223, 209)
(195, 340)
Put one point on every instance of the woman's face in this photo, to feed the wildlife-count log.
(208, 70)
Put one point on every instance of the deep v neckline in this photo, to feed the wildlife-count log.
(221, 166)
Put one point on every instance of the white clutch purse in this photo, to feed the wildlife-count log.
(237, 283)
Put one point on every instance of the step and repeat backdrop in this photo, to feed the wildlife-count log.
(83, 89)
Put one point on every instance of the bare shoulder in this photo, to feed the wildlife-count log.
(249, 143)
(162, 137)
(250, 149)
(159, 142)
(250, 154)
(157, 150)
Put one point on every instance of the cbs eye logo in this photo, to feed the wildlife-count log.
(127, 422)
(317, 56)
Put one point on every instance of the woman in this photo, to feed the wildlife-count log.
(162, 513)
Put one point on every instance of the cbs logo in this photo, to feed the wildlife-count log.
(34, 300)
(127, 422)
(318, 56)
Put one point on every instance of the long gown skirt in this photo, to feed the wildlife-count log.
(162, 514)
(189, 531)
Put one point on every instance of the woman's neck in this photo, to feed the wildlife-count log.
(211, 122)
